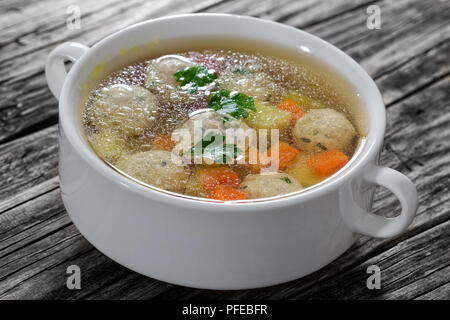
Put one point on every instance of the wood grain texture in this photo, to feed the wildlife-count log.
(408, 58)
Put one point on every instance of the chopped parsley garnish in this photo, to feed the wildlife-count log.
(321, 146)
(306, 140)
(243, 71)
(191, 78)
(236, 104)
(216, 150)
(286, 179)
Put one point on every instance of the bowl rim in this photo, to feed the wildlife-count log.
(368, 151)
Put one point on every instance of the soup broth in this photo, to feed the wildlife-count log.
(223, 119)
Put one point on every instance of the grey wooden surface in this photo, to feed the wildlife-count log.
(409, 58)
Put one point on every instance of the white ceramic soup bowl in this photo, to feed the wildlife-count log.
(210, 244)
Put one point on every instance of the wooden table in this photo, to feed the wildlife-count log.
(408, 58)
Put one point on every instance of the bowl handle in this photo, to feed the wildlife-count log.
(374, 225)
(55, 70)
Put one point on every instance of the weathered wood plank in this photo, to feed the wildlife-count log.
(416, 73)
(101, 278)
(48, 251)
(28, 161)
(22, 225)
(408, 28)
(417, 262)
(29, 193)
(440, 293)
(37, 37)
(429, 279)
(301, 14)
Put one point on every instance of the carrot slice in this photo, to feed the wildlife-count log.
(293, 108)
(328, 162)
(226, 193)
(286, 154)
(209, 178)
(163, 142)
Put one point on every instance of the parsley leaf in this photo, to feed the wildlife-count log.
(243, 71)
(286, 179)
(219, 152)
(192, 78)
(321, 146)
(235, 105)
(306, 140)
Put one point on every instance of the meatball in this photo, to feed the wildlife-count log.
(194, 188)
(162, 70)
(200, 121)
(322, 129)
(255, 84)
(269, 184)
(156, 168)
(108, 145)
(129, 109)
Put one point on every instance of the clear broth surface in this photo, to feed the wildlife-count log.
(289, 71)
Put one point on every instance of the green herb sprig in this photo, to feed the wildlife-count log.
(191, 78)
(235, 105)
(219, 152)
(286, 179)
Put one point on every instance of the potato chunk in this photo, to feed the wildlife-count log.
(300, 170)
(303, 101)
(268, 117)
